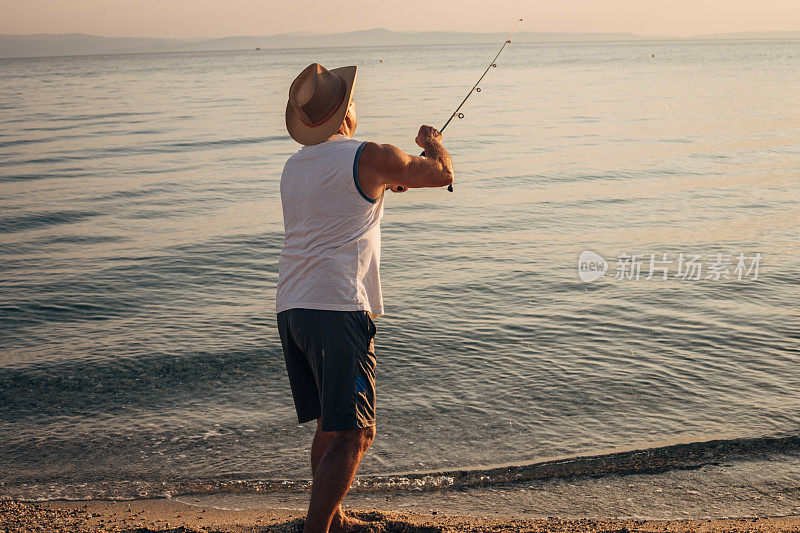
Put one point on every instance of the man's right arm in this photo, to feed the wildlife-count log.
(386, 166)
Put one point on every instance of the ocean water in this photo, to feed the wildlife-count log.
(140, 228)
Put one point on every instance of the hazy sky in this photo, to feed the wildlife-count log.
(218, 18)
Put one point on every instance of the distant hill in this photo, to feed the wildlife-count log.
(754, 35)
(38, 45)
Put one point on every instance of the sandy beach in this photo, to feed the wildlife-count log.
(165, 515)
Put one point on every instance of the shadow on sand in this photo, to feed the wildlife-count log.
(378, 523)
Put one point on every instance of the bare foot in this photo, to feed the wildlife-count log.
(346, 524)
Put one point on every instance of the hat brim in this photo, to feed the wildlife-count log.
(308, 135)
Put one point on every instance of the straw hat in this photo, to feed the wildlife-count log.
(318, 101)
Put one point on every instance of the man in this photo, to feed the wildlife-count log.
(329, 289)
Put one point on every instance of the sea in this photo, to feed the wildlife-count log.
(601, 320)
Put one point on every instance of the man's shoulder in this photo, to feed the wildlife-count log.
(381, 155)
(327, 149)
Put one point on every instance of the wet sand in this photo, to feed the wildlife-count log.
(144, 516)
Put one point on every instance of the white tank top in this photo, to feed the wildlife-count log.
(332, 242)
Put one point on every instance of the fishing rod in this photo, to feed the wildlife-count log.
(475, 88)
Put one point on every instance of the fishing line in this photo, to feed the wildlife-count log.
(475, 88)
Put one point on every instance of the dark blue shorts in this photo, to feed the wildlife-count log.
(330, 359)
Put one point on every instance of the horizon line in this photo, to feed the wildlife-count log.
(301, 33)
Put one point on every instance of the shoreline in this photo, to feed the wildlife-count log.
(164, 514)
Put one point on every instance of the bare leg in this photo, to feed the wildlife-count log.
(318, 446)
(334, 460)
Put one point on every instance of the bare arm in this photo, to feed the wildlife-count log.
(383, 166)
